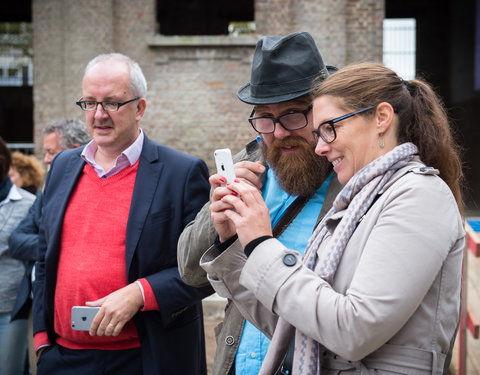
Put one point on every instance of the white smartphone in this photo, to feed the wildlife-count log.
(82, 317)
(224, 162)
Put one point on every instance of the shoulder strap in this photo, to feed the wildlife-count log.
(291, 213)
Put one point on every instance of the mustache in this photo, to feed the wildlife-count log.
(291, 141)
(299, 173)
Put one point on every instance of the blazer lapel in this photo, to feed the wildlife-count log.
(73, 169)
(148, 175)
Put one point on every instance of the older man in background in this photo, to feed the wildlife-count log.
(23, 243)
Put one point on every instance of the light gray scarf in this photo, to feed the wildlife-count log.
(356, 198)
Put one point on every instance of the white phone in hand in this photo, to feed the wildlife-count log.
(82, 317)
(224, 162)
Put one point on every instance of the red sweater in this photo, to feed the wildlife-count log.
(92, 258)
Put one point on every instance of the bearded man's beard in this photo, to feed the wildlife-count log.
(300, 172)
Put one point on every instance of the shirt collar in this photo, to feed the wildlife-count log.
(13, 195)
(131, 153)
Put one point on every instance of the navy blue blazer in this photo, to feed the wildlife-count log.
(170, 188)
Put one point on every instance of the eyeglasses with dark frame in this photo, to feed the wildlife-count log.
(294, 120)
(108, 106)
(326, 130)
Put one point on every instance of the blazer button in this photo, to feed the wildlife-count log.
(289, 260)
(229, 340)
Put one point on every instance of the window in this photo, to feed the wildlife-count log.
(16, 84)
(16, 67)
(205, 17)
(399, 47)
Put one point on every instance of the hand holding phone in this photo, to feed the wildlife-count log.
(224, 163)
(82, 317)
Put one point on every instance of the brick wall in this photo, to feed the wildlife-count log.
(192, 104)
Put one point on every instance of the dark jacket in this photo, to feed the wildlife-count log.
(23, 245)
(170, 188)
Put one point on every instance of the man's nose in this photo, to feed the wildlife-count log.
(100, 112)
(280, 132)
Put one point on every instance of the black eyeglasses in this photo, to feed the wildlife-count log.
(291, 121)
(91, 105)
(326, 130)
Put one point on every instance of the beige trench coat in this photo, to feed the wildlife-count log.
(394, 303)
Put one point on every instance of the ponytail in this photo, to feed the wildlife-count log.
(430, 131)
(421, 114)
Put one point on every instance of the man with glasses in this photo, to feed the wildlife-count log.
(298, 186)
(112, 214)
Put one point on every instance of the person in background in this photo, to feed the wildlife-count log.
(59, 135)
(112, 214)
(378, 288)
(14, 205)
(297, 185)
(26, 172)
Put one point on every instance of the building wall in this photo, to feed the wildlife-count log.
(345, 30)
(192, 104)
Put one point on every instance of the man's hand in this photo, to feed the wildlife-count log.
(116, 310)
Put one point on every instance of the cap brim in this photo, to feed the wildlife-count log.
(245, 96)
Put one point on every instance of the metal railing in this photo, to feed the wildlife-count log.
(25, 148)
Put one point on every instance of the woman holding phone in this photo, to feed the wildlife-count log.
(378, 288)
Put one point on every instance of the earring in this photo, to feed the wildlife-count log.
(381, 142)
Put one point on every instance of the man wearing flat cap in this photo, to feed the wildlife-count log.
(297, 185)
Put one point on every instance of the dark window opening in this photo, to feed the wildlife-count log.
(204, 17)
(16, 80)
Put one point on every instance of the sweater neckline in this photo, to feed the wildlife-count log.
(89, 171)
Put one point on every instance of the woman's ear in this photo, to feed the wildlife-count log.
(384, 116)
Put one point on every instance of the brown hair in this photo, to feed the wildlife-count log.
(29, 167)
(421, 114)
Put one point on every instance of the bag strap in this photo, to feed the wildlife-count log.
(292, 211)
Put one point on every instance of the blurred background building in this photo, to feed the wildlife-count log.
(196, 53)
